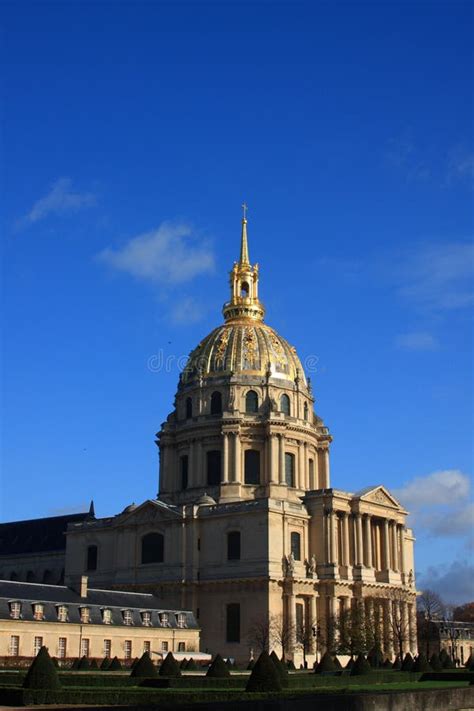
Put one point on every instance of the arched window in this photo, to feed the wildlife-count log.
(214, 467)
(311, 474)
(252, 466)
(289, 469)
(184, 471)
(189, 408)
(296, 545)
(216, 403)
(285, 405)
(251, 402)
(244, 289)
(305, 411)
(152, 548)
(233, 545)
(91, 563)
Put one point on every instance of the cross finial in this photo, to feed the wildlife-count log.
(244, 210)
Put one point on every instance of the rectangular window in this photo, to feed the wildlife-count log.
(107, 648)
(289, 469)
(213, 467)
(233, 545)
(184, 471)
(127, 649)
(311, 474)
(85, 615)
(181, 646)
(38, 611)
(62, 613)
(164, 619)
(146, 619)
(107, 617)
(299, 621)
(296, 545)
(92, 558)
(15, 610)
(85, 645)
(127, 617)
(164, 646)
(146, 647)
(14, 645)
(62, 645)
(233, 622)
(38, 643)
(181, 620)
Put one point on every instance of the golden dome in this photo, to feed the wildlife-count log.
(244, 347)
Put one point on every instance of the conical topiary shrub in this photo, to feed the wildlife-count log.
(42, 673)
(387, 664)
(326, 664)
(360, 666)
(105, 664)
(290, 665)
(170, 666)
(75, 664)
(83, 664)
(435, 664)
(93, 666)
(407, 664)
(218, 668)
(134, 663)
(315, 665)
(183, 664)
(251, 665)
(447, 662)
(397, 663)
(115, 665)
(471, 666)
(337, 663)
(144, 667)
(421, 664)
(350, 663)
(191, 665)
(375, 657)
(264, 676)
(229, 664)
(281, 668)
(468, 662)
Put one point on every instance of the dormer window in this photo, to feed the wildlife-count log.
(181, 620)
(127, 617)
(107, 616)
(164, 619)
(62, 613)
(85, 614)
(146, 619)
(15, 610)
(38, 611)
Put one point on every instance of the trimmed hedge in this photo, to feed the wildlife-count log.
(421, 664)
(264, 676)
(170, 666)
(42, 673)
(144, 668)
(435, 664)
(326, 664)
(191, 665)
(115, 665)
(407, 664)
(219, 669)
(83, 664)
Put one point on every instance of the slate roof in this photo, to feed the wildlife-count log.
(38, 535)
(96, 601)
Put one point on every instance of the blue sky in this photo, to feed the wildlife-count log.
(132, 132)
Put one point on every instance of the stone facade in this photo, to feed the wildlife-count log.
(246, 529)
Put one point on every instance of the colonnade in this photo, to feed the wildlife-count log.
(310, 464)
(362, 539)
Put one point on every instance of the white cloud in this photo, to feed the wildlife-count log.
(453, 582)
(61, 198)
(170, 254)
(438, 277)
(416, 341)
(438, 488)
(186, 311)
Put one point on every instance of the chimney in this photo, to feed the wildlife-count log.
(78, 583)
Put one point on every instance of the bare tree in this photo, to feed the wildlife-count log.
(430, 607)
(452, 631)
(351, 632)
(259, 634)
(305, 636)
(282, 634)
(399, 623)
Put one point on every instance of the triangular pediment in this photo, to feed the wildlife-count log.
(149, 511)
(378, 495)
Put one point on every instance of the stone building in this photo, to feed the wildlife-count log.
(78, 621)
(246, 528)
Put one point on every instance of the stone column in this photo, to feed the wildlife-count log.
(313, 620)
(402, 548)
(281, 459)
(412, 617)
(300, 473)
(316, 483)
(388, 624)
(162, 476)
(327, 536)
(326, 469)
(386, 549)
(225, 458)
(393, 532)
(273, 459)
(305, 467)
(360, 549)
(292, 621)
(368, 541)
(345, 538)
(237, 459)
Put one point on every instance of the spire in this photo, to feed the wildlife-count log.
(91, 513)
(244, 247)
